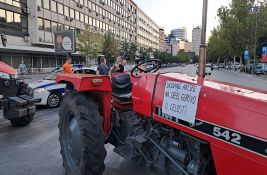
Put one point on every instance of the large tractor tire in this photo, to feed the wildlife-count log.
(81, 135)
(24, 89)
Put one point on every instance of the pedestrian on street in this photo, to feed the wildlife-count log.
(22, 68)
(126, 66)
(102, 68)
(67, 68)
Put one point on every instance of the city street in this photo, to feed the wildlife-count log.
(35, 149)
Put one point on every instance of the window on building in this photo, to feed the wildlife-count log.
(86, 3)
(2, 16)
(81, 17)
(9, 17)
(97, 9)
(77, 15)
(81, 2)
(40, 24)
(60, 27)
(46, 4)
(93, 7)
(86, 19)
(94, 23)
(97, 23)
(90, 21)
(53, 6)
(89, 4)
(66, 11)
(39, 3)
(47, 25)
(72, 13)
(54, 26)
(60, 9)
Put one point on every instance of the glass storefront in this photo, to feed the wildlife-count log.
(37, 60)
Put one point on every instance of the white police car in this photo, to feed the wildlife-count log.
(48, 92)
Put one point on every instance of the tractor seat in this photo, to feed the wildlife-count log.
(122, 87)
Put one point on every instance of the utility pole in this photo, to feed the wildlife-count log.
(203, 46)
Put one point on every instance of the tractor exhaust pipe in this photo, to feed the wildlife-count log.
(203, 46)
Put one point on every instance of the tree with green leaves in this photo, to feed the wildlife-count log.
(183, 57)
(110, 47)
(129, 50)
(236, 32)
(90, 43)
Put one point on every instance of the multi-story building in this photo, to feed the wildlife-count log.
(196, 39)
(29, 26)
(162, 43)
(185, 46)
(147, 31)
(179, 34)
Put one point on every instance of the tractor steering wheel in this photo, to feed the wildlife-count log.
(156, 66)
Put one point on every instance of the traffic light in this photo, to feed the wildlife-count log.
(4, 39)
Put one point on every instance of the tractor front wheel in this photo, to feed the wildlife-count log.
(81, 135)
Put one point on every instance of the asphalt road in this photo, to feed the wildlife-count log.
(34, 149)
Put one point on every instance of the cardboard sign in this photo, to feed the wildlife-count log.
(181, 100)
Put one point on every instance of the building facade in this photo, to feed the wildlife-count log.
(185, 46)
(179, 34)
(30, 26)
(196, 39)
(147, 31)
(162, 43)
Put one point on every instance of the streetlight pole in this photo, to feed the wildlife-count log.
(203, 46)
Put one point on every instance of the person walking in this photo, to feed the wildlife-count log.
(67, 68)
(22, 68)
(102, 68)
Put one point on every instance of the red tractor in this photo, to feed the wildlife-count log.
(170, 122)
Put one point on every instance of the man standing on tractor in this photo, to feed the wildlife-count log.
(67, 68)
(102, 68)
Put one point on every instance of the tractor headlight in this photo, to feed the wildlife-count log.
(39, 90)
(4, 75)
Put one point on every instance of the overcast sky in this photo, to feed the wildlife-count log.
(171, 14)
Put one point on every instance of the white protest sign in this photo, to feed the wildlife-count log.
(181, 100)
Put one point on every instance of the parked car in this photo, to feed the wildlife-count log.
(258, 69)
(215, 66)
(237, 66)
(48, 92)
(221, 65)
(207, 70)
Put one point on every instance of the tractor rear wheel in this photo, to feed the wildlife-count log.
(81, 135)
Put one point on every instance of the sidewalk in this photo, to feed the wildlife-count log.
(260, 77)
